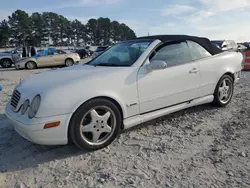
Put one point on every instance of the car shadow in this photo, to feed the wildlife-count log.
(7, 69)
(16, 153)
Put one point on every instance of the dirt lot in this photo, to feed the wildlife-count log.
(199, 147)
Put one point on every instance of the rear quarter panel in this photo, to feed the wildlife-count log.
(213, 68)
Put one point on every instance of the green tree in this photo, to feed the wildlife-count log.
(39, 31)
(4, 33)
(79, 32)
(126, 33)
(20, 26)
(63, 27)
(115, 31)
(104, 27)
(52, 25)
(51, 28)
(92, 30)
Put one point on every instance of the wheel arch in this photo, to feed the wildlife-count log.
(30, 61)
(114, 101)
(70, 58)
(229, 73)
(6, 58)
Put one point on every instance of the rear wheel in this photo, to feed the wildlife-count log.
(69, 62)
(6, 63)
(95, 124)
(224, 91)
(30, 65)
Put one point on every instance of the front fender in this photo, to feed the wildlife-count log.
(61, 101)
(67, 99)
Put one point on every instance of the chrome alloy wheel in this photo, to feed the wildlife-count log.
(225, 91)
(98, 125)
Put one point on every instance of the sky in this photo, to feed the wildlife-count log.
(215, 19)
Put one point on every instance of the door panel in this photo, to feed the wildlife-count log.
(208, 67)
(163, 88)
(45, 61)
(177, 83)
(59, 59)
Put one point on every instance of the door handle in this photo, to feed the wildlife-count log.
(194, 70)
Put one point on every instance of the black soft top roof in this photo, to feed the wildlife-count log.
(206, 43)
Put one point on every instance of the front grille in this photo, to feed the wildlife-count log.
(16, 96)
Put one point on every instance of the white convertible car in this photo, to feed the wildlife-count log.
(130, 83)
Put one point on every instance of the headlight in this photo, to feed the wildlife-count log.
(25, 107)
(34, 106)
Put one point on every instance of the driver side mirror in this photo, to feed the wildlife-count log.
(156, 65)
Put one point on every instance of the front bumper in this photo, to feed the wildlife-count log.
(19, 65)
(33, 130)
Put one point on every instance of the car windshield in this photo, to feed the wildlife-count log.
(121, 54)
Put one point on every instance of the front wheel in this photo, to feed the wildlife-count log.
(30, 65)
(224, 91)
(95, 124)
(69, 62)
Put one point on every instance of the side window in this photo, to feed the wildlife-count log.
(197, 51)
(50, 52)
(59, 52)
(173, 54)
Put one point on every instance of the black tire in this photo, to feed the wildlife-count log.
(6, 63)
(219, 102)
(69, 62)
(31, 65)
(75, 123)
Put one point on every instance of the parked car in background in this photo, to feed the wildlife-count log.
(48, 58)
(6, 59)
(130, 83)
(99, 50)
(89, 52)
(241, 47)
(226, 45)
(81, 52)
(247, 44)
(84, 52)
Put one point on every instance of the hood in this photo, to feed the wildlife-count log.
(40, 82)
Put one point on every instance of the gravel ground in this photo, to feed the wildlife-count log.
(199, 147)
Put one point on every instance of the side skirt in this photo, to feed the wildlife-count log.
(135, 120)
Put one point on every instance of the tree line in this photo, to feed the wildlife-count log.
(49, 28)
